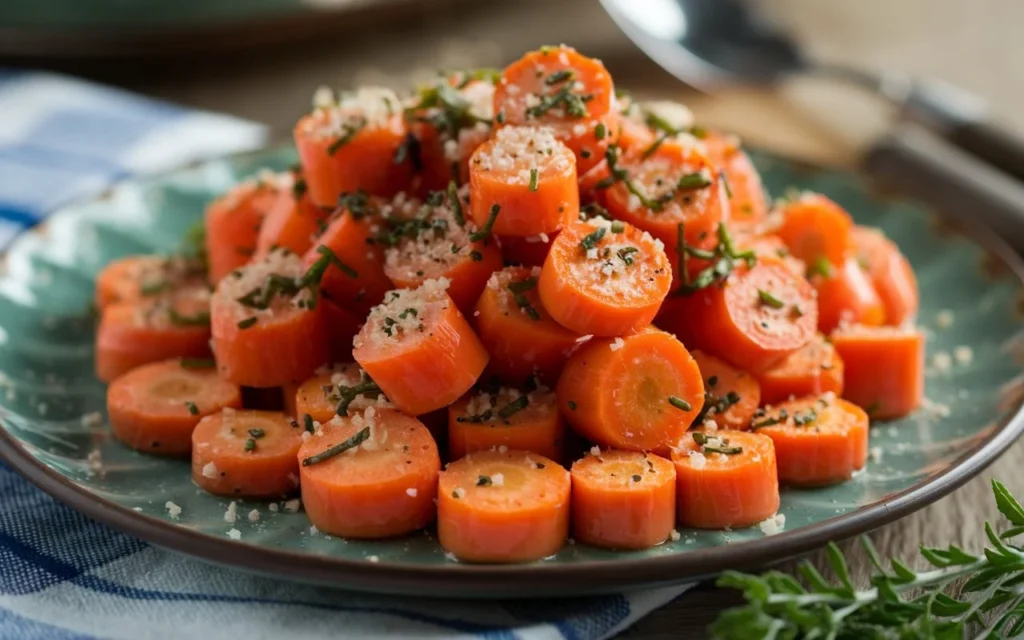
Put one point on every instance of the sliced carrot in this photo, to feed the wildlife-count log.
(819, 440)
(517, 330)
(135, 278)
(716, 490)
(675, 184)
(846, 296)
(647, 125)
(320, 396)
(557, 87)
(154, 408)
(812, 370)
(639, 392)
(592, 185)
(431, 240)
(350, 144)
(890, 273)
(176, 325)
(504, 417)
(419, 349)
(248, 454)
(292, 222)
(370, 475)
(603, 278)
(748, 204)
(770, 246)
(816, 229)
(525, 177)
(233, 223)
(510, 506)
(635, 134)
(731, 396)
(342, 327)
(528, 251)
(623, 499)
(883, 368)
(752, 319)
(268, 330)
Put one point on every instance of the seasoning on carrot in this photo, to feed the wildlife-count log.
(419, 348)
(748, 204)
(623, 499)
(155, 407)
(816, 230)
(246, 454)
(819, 440)
(639, 392)
(725, 479)
(292, 221)
(503, 506)
(370, 475)
(812, 370)
(493, 416)
(883, 368)
(731, 396)
(321, 396)
(604, 278)
(139, 277)
(890, 273)
(845, 296)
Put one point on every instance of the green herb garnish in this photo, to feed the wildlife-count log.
(248, 322)
(768, 298)
(197, 320)
(691, 181)
(192, 408)
(367, 388)
(714, 444)
(348, 131)
(518, 289)
(591, 239)
(533, 179)
(357, 439)
(771, 420)
(485, 232)
(198, 363)
(679, 403)
(820, 267)
(483, 481)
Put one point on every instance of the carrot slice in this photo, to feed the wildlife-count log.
(557, 87)
(639, 392)
(351, 237)
(233, 223)
(770, 246)
(154, 408)
(812, 370)
(320, 396)
(752, 319)
(731, 396)
(505, 417)
(845, 296)
(135, 278)
(176, 325)
(370, 475)
(816, 229)
(349, 144)
(748, 204)
(510, 506)
(342, 327)
(890, 273)
(419, 349)
(517, 330)
(675, 184)
(819, 440)
(526, 177)
(292, 221)
(604, 278)
(647, 125)
(716, 490)
(529, 251)
(248, 454)
(431, 240)
(268, 330)
(883, 368)
(623, 499)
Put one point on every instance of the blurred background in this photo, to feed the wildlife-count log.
(262, 59)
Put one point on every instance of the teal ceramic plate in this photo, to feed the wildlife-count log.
(53, 436)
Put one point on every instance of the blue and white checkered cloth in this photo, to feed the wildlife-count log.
(63, 576)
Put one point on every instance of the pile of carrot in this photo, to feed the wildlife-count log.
(519, 304)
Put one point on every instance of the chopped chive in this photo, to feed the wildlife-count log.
(308, 423)
(768, 298)
(349, 131)
(476, 256)
(299, 188)
(257, 433)
(198, 363)
(409, 150)
(559, 76)
(591, 239)
(708, 443)
(250, 444)
(618, 226)
(366, 388)
(572, 405)
(485, 232)
(192, 408)
(248, 322)
(679, 403)
(408, 312)
(725, 183)
(820, 267)
(483, 481)
(600, 131)
(453, 201)
(771, 420)
(513, 407)
(197, 320)
(533, 179)
(692, 181)
(352, 442)
(637, 478)
(801, 419)
(625, 254)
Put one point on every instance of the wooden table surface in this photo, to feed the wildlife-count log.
(973, 43)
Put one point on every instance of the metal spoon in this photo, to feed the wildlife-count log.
(710, 43)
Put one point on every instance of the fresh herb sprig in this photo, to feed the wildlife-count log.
(723, 258)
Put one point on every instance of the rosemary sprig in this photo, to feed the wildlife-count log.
(348, 395)
(445, 109)
(357, 439)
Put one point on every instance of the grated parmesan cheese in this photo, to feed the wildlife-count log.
(293, 505)
(773, 524)
(942, 361)
(697, 460)
(498, 480)
(254, 276)
(210, 470)
(617, 344)
(234, 534)
(387, 326)
(231, 515)
(518, 152)
(674, 536)
(944, 319)
(254, 515)
(963, 354)
(173, 510)
(411, 492)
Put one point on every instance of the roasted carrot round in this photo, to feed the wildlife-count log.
(510, 506)
(517, 330)
(370, 475)
(176, 325)
(812, 370)
(676, 184)
(505, 417)
(592, 185)
(268, 330)
(154, 408)
(349, 145)
(431, 240)
(816, 230)
(623, 499)
(522, 182)
(136, 278)
(725, 479)
(639, 392)
(770, 246)
(731, 396)
(572, 94)
(248, 454)
(233, 223)
(604, 278)
(883, 368)
(320, 396)
(342, 327)
(647, 125)
(419, 349)
(890, 273)
(819, 440)
(292, 222)
(748, 204)
(528, 251)
(846, 296)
